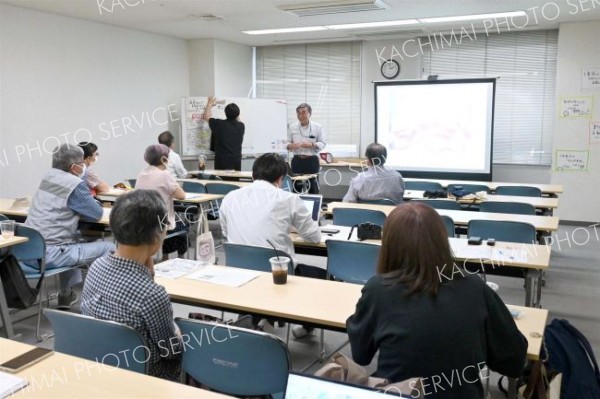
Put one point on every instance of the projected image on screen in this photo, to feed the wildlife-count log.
(439, 126)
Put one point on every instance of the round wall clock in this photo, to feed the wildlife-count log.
(390, 69)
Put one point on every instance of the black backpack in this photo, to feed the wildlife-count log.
(570, 352)
(19, 295)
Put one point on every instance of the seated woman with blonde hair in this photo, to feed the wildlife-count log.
(427, 321)
(155, 176)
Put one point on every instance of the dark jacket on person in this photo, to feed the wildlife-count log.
(446, 339)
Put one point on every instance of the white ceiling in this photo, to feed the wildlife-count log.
(180, 18)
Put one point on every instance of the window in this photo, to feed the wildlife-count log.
(525, 63)
(325, 75)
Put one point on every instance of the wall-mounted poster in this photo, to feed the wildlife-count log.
(590, 79)
(571, 160)
(595, 132)
(575, 107)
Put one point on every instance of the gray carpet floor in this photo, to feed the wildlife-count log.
(572, 292)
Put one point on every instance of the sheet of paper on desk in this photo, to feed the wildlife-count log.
(175, 268)
(223, 276)
(10, 384)
(189, 196)
(475, 252)
(510, 254)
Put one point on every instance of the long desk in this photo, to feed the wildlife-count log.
(541, 223)
(359, 165)
(191, 198)
(531, 259)
(537, 202)
(207, 182)
(63, 376)
(4, 313)
(244, 175)
(302, 300)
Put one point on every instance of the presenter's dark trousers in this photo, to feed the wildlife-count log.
(306, 164)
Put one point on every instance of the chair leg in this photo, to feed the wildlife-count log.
(287, 339)
(44, 289)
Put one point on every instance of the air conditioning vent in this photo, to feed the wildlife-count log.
(334, 7)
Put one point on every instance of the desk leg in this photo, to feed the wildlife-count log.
(533, 288)
(6, 321)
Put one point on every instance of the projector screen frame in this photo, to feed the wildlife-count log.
(485, 176)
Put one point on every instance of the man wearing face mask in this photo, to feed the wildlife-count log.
(61, 200)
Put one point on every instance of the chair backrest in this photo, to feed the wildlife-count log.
(352, 216)
(3, 218)
(287, 184)
(518, 208)
(233, 360)
(252, 257)
(33, 249)
(352, 262)
(422, 185)
(132, 182)
(521, 191)
(502, 231)
(194, 187)
(441, 204)
(220, 188)
(104, 341)
(449, 224)
(470, 188)
(379, 201)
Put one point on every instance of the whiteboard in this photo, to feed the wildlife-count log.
(265, 120)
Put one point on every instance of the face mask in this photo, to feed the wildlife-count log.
(83, 169)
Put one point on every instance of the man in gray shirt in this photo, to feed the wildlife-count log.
(377, 182)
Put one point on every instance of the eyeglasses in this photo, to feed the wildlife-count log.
(97, 154)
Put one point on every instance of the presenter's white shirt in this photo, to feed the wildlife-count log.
(313, 133)
(260, 211)
(175, 167)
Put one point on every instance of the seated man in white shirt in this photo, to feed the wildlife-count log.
(175, 166)
(262, 211)
(377, 182)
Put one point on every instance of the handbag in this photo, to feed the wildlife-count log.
(205, 244)
(19, 295)
(342, 368)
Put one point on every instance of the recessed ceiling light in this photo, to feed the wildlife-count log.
(374, 24)
(284, 30)
(472, 17)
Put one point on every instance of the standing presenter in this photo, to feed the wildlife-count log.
(226, 137)
(306, 140)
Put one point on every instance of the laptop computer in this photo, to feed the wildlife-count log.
(313, 202)
(302, 386)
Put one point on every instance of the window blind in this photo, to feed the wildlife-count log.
(525, 63)
(324, 75)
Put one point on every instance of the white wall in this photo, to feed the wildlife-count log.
(60, 75)
(219, 68)
(233, 69)
(576, 50)
(202, 67)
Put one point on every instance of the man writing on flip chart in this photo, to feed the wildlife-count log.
(306, 139)
(226, 136)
